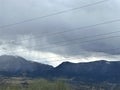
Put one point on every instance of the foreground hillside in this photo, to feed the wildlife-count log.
(42, 84)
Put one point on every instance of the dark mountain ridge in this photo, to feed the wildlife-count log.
(18, 66)
(92, 71)
(97, 71)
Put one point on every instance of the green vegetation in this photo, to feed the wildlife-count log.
(42, 84)
(36, 84)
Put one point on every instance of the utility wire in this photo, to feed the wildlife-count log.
(82, 38)
(78, 43)
(79, 38)
(87, 41)
(75, 29)
(53, 14)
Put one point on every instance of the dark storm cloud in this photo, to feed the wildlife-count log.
(69, 43)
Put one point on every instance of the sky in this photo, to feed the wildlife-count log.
(58, 38)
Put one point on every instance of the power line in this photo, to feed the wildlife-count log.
(76, 29)
(87, 41)
(53, 14)
(77, 39)
(87, 37)
(83, 42)
(86, 27)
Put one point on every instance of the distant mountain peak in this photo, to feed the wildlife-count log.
(67, 62)
(105, 61)
(16, 65)
(101, 61)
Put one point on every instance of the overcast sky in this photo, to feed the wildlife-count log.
(37, 40)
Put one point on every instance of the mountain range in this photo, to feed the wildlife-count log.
(18, 66)
(97, 71)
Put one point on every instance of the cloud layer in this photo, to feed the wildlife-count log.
(40, 38)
